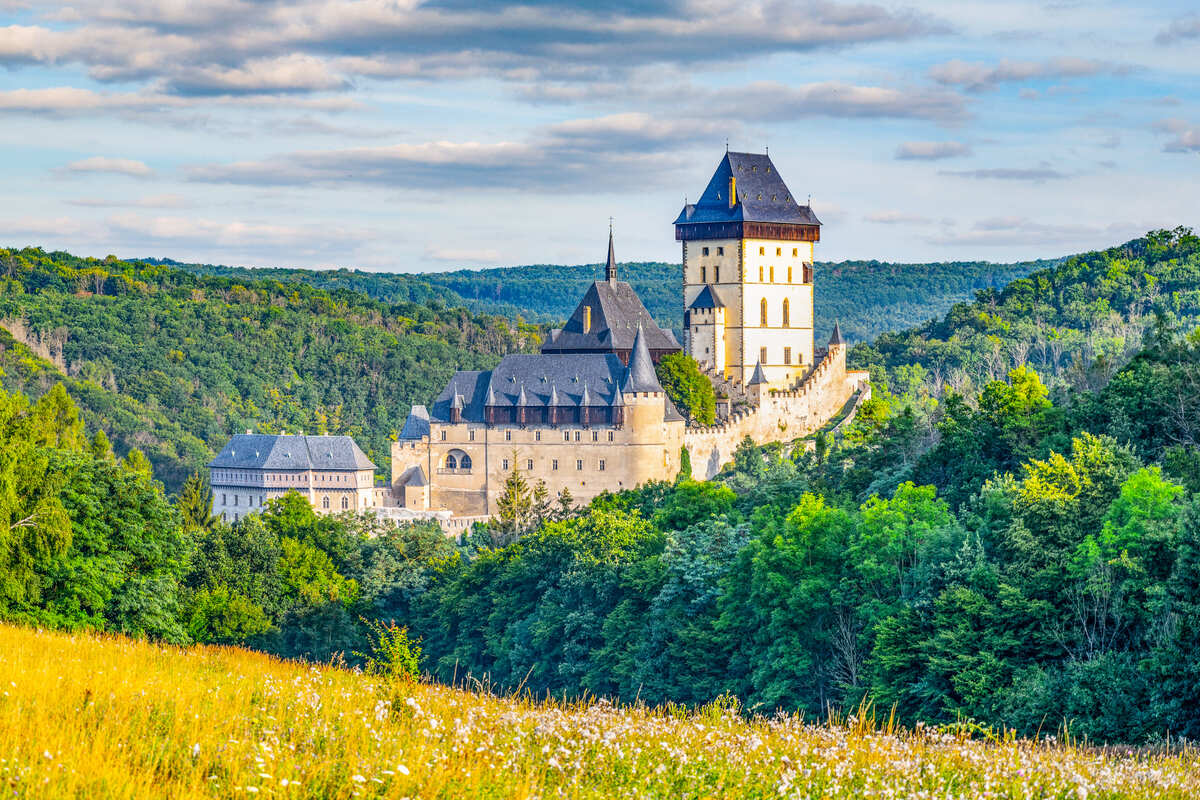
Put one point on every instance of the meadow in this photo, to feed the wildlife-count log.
(103, 716)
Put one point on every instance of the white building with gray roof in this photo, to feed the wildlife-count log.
(331, 472)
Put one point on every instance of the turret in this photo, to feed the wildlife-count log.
(757, 385)
(610, 269)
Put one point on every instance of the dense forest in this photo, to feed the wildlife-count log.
(1014, 543)
(173, 362)
(867, 297)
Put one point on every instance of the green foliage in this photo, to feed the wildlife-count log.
(393, 654)
(690, 391)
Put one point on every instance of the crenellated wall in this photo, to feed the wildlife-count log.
(779, 416)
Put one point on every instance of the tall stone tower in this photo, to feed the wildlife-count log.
(748, 273)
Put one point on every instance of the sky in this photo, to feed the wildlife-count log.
(409, 136)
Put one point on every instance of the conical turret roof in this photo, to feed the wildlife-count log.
(641, 377)
(522, 397)
(758, 377)
(610, 268)
(836, 338)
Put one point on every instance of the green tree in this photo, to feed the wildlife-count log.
(689, 389)
(195, 503)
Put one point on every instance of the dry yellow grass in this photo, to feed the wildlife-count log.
(84, 716)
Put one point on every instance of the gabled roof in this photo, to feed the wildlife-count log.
(707, 299)
(284, 452)
(617, 312)
(762, 196)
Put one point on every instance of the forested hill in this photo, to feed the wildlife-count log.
(173, 362)
(867, 297)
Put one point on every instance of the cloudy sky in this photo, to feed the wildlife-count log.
(409, 136)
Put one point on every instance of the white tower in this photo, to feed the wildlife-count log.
(748, 273)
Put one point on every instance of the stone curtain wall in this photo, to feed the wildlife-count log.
(781, 416)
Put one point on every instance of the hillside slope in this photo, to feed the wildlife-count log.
(98, 718)
(202, 357)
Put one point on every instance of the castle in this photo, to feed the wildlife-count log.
(588, 413)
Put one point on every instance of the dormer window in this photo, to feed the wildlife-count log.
(705, 251)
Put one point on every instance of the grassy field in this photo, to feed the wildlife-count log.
(94, 717)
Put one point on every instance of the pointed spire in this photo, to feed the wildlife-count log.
(522, 398)
(836, 339)
(610, 269)
(585, 398)
(641, 376)
(491, 397)
(553, 401)
(457, 401)
(758, 376)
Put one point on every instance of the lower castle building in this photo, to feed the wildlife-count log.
(330, 471)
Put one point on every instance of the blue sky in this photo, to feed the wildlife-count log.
(410, 136)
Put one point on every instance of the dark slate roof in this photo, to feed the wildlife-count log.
(616, 313)
(836, 338)
(757, 377)
(417, 424)
(707, 299)
(413, 476)
(641, 376)
(762, 195)
(572, 379)
(283, 452)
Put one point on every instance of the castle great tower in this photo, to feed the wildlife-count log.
(748, 273)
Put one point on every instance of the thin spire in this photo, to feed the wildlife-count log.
(610, 269)
(758, 376)
(836, 338)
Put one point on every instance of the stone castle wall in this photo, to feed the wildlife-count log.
(779, 416)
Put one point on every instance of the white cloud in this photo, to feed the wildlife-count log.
(112, 166)
(930, 151)
(462, 256)
(1186, 136)
(1179, 30)
(976, 77)
(160, 201)
(1036, 174)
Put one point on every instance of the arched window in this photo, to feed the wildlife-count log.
(787, 318)
(325, 502)
(458, 461)
(345, 503)
(451, 461)
(464, 462)
(763, 312)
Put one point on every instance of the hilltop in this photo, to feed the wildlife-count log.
(108, 717)
(867, 297)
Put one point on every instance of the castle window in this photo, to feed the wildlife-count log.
(345, 503)
(762, 312)
(611, 436)
(716, 274)
(772, 274)
(808, 273)
(471, 436)
(760, 274)
(787, 316)
(602, 465)
(529, 464)
(451, 461)
(778, 251)
(704, 274)
(762, 251)
(795, 252)
(554, 464)
(325, 502)
(443, 436)
(537, 436)
(595, 436)
(508, 436)
(235, 499)
(577, 436)
(223, 502)
(504, 465)
(566, 436)
(720, 251)
(762, 354)
(706, 251)
(787, 355)
(789, 274)
(579, 463)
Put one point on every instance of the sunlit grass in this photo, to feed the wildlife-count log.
(82, 716)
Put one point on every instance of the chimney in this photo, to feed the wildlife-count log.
(732, 191)
(587, 319)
